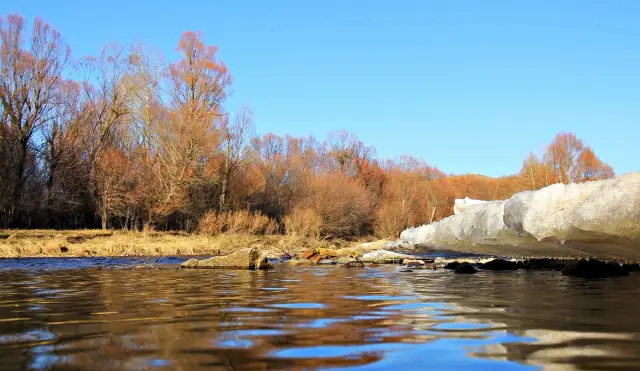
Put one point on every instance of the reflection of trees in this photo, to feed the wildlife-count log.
(129, 319)
(32, 303)
(191, 319)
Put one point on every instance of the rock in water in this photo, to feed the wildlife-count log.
(300, 262)
(499, 265)
(465, 268)
(432, 266)
(412, 263)
(384, 256)
(353, 264)
(452, 265)
(594, 269)
(249, 258)
(600, 218)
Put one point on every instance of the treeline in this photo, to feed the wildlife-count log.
(124, 140)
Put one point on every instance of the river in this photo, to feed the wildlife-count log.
(78, 314)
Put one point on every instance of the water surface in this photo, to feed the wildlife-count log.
(54, 317)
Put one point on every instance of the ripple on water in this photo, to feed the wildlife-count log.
(381, 297)
(417, 306)
(311, 318)
(457, 326)
(299, 305)
(247, 310)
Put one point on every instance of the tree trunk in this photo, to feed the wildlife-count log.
(103, 216)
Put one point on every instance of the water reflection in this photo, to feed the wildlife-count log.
(315, 318)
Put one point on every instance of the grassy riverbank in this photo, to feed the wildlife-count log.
(75, 243)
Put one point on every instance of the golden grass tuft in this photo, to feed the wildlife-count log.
(303, 222)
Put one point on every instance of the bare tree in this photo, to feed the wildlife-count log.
(29, 79)
(236, 146)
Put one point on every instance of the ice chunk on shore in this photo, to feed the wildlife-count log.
(599, 218)
(465, 204)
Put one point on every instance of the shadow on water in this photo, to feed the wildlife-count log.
(315, 318)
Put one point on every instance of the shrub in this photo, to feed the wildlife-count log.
(236, 222)
(343, 205)
(211, 224)
(303, 222)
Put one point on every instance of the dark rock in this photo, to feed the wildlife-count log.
(547, 264)
(64, 249)
(499, 265)
(594, 269)
(405, 270)
(632, 267)
(465, 268)
(452, 265)
(353, 264)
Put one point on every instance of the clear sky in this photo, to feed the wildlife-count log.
(470, 86)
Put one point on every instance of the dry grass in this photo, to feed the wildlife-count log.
(52, 243)
(236, 222)
(303, 222)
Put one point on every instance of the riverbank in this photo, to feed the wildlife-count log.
(99, 243)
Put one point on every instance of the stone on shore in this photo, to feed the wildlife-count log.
(249, 258)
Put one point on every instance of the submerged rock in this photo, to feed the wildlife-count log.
(353, 264)
(594, 269)
(249, 258)
(300, 262)
(598, 218)
(499, 265)
(635, 267)
(548, 264)
(465, 268)
(345, 260)
(412, 262)
(432, 266)
(326, 262)
(384, 256)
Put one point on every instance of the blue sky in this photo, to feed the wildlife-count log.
(470, 86)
